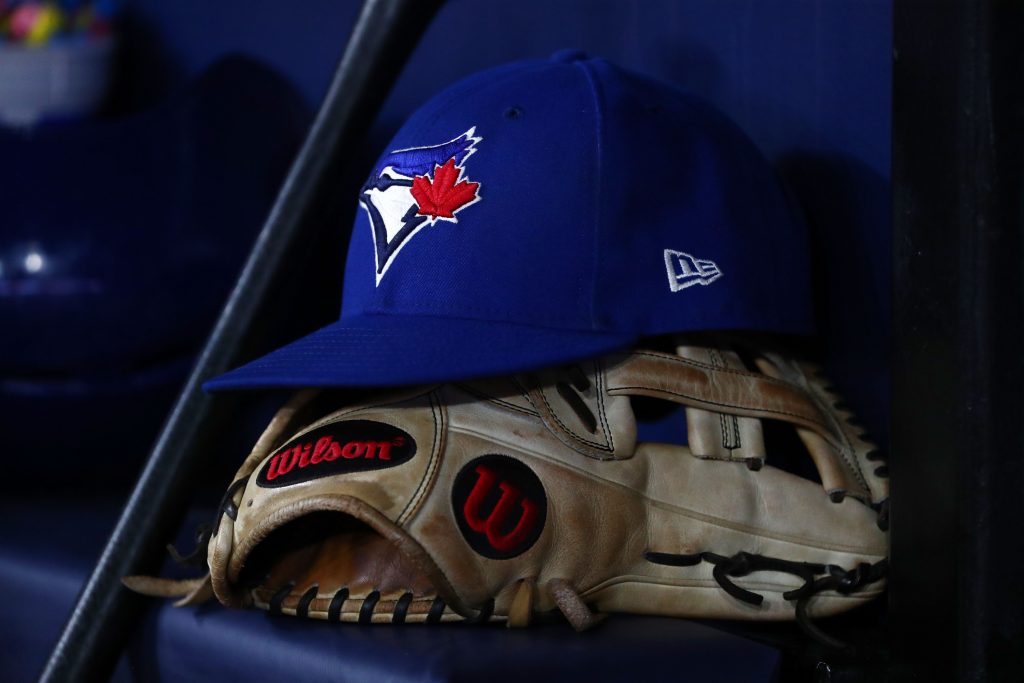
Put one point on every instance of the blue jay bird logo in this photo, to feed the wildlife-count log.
(412, 188)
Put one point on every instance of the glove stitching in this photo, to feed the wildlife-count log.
(846, 448)
(824, 401)
(601, 410)
(843, 428)
(721, 404)
(704, 366)
(744, 528)
(738, 373)
(708, 583)
(428, 478)
(492, 399)
(723, 421)
(567, 430)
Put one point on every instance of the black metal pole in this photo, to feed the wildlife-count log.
(103, 618)
(957, 598)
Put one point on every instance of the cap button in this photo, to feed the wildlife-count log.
(569, 56)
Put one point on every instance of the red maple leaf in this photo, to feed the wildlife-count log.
(444, 196)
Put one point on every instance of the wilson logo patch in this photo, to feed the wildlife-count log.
(413, 188)
(337, 448)
(500, 506)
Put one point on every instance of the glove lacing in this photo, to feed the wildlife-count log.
(843, 581)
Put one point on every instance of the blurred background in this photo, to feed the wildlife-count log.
(142, 143)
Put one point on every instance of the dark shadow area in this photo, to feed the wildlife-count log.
(847, 207)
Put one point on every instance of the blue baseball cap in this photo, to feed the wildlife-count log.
(547, 211)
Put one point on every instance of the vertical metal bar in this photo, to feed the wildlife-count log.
(958, 362)
(103, 618)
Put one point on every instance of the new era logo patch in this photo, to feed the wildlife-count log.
(416, 187)
(686, 271)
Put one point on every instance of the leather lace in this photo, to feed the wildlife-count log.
(817, 578)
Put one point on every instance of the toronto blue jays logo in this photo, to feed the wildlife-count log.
(412, 188)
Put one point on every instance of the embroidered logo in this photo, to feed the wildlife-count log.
(337, 448)
(500, 506)
(685, 270)
(413, 188)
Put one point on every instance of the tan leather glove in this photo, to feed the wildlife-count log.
(520, 496)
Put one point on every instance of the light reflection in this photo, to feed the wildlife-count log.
(34, 262)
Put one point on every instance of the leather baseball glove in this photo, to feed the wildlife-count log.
(515, 497)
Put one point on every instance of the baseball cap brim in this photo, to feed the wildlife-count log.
(378, 350)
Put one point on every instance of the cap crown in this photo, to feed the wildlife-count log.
(572, 194)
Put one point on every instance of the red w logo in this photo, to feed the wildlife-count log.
(511, 502)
